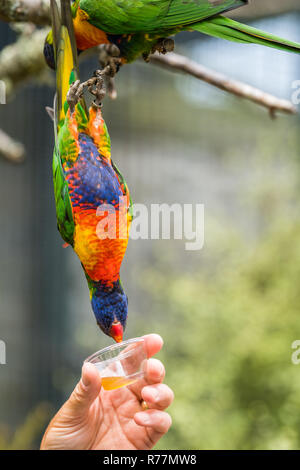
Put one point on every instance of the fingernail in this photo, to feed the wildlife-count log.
(84, 377)
(155, 395)
(161, 371)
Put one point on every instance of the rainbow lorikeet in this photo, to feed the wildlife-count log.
(86, 179)
(137, 26)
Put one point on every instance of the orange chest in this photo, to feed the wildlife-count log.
(86, 34)
(101, 256)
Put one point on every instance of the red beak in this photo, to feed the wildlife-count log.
(116, 332)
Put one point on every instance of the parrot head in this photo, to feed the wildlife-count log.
(110, 308)
(49, 51)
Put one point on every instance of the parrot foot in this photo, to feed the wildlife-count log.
(74, 94)
(163, 46)
(96, 86)
(109, 56)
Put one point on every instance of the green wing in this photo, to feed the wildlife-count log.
(151, 16)
(186, 12)
(66, 72)
(231, 30)
(64, 213)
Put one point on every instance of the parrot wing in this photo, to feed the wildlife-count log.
(65, 52)
(151, 16)
(231, 30)
(64, 212)
(182, 13)
(66, 72)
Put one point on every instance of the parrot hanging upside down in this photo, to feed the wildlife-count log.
(139, 27)
(85, 178)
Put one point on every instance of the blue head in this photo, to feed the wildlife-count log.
(49, 53)
(110, 307)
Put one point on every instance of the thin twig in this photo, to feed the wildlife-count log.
(34, 11)
(179, 63)
(10, 149)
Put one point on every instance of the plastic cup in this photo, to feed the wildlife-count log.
(120, 364)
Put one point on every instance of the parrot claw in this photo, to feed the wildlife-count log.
(146, 56)
(163, 46)
(109, 55)
(96, 86)
(109, 59)
(74, 94)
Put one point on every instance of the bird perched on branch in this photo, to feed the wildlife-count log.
(140, 27)
(93, 205)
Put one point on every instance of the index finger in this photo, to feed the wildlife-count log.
(154, 371)
(153, 344)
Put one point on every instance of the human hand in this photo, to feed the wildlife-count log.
(94, 418)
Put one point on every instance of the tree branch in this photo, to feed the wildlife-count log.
(34, 11)
(23, 60)
(260, 9)
(179, 63)
(11, 150)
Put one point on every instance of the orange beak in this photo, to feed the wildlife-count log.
(116, 332)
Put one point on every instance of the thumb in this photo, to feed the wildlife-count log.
(87, 389)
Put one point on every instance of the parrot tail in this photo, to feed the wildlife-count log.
(65, 53)
(231, 30)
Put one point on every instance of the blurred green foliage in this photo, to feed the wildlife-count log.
(228, 349)
(27, 435)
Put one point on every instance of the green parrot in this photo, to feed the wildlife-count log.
(139, 27)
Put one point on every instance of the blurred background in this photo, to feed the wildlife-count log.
(228, 313)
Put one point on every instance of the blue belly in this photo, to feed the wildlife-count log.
(92, 180)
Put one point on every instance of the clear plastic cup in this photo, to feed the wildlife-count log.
(120, 364)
